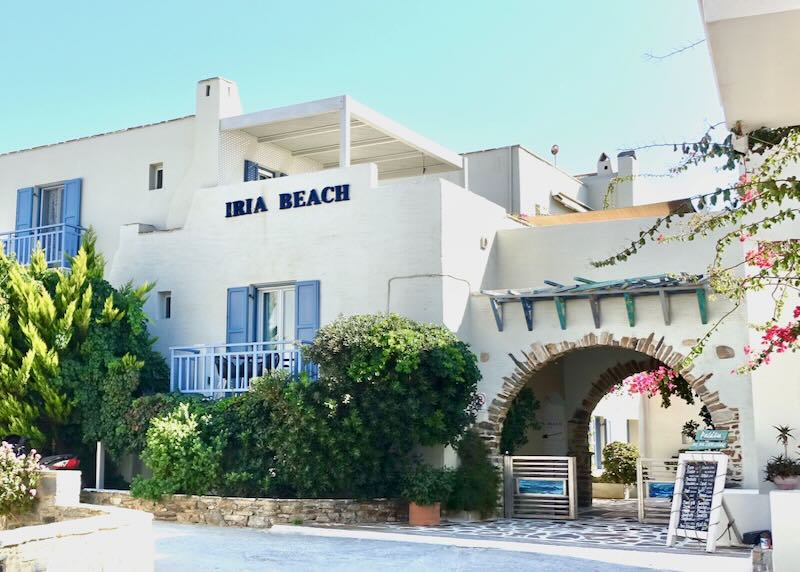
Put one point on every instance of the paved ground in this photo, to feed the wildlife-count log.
(197, 548)
(608, 524)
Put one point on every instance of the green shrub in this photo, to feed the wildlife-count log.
(425, 485)
(143, 410)
(179, 458)
(521, 417)
(242, 424)
(387, 385)
(476, 481)
(619, 462)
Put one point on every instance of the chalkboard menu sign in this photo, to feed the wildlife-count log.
(698, 492)
(697, 497)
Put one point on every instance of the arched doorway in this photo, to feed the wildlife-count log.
(649, 351)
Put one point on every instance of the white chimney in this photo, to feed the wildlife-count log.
(627, 171)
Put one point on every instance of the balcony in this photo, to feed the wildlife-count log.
(58, 241)
(228, 369)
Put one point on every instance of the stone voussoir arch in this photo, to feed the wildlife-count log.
(539, 355)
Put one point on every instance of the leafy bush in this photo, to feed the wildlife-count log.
(619, 462)
(179, 458)
(476, 481)
(19, 476)
(387, 385)
(81, 355)
(145, 409)
(521, 417)
(242, 424)
(425, 485)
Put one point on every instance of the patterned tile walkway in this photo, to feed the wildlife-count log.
(608, 524)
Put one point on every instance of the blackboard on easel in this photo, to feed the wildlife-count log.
(697, 497)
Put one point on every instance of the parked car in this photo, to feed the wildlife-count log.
(61, 462)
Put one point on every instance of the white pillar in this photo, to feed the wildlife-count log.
(100, 467)
(344, 133)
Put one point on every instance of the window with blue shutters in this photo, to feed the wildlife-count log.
(255, 172)
(273, 313)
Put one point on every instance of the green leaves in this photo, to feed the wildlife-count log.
(180, 459)
(521, 417)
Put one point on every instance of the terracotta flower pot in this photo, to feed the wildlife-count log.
(787, 483)
(427, 515)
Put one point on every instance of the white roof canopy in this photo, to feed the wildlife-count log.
(341, 132)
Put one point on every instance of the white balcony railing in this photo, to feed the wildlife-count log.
(58, 241)
(227, 369)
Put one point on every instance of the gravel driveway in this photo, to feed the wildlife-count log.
(197, 548)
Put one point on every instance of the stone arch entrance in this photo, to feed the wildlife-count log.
(540, 355)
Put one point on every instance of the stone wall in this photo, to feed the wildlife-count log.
(539, 356)
(253, 512)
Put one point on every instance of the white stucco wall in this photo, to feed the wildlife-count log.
(519, 180)
(115, 169)
(380, 251)
(526, 257)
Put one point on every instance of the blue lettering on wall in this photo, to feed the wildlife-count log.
(310, 198)
(261, 205)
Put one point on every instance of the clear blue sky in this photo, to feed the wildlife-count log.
(467, 74)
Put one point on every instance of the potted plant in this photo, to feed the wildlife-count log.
(619, 468)
(783, 470)
(425, 487)
(476, 481)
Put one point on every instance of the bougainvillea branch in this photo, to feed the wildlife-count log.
(763, 197)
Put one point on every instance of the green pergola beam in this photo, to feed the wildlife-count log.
(561, 310)
(702, 304)
(630, 308)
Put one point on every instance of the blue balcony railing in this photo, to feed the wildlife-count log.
(228, 369)
(58, 241)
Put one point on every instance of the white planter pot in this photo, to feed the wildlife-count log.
(787, 483)
(613, 491)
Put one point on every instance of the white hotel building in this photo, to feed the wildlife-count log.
(259, 227)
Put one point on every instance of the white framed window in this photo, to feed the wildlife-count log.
(165, 305)
(51, 205)
(276, 313)
(264, 173)
(156, 176)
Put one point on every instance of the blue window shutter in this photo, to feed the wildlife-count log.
(238, 322)
(250, 171)
(23, 243)
(307, 310)
(24, 209)
(72, 216)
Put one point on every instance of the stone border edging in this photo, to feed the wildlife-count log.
(255, 512)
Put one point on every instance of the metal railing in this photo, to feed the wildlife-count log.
(220, 370)
(655, 480)
(540, 487)
(58, 241)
